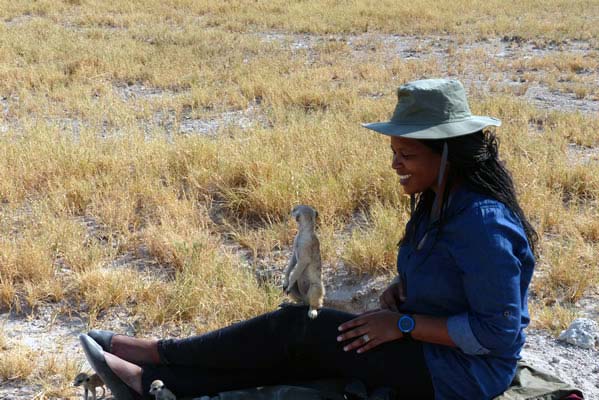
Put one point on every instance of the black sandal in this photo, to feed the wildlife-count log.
(103, 338)
(95, 356)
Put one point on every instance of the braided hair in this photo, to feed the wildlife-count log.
(474, 162)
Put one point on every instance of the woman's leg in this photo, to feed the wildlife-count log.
(260, 342)
(282, 345)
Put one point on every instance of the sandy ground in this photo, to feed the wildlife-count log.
(577, 366)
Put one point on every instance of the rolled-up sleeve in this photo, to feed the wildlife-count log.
(461, 333)
(491, 276)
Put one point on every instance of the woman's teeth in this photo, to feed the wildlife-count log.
(404, 176)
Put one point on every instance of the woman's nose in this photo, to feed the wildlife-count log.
(395, 162)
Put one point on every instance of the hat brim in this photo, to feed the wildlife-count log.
(434, 131)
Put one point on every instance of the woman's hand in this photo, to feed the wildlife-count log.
(393, 296)
(369, 330)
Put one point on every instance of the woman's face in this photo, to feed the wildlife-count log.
(416, 165)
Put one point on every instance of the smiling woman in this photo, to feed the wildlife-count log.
(466, 259)
(449, 326)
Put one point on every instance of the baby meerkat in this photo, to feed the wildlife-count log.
(303, 275)
(89, 383)
(160, 392)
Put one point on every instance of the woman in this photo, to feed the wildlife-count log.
(450, 325)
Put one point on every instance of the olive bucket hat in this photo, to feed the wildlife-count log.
(432, 109)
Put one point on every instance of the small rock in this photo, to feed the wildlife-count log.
(583, 332)
(555, 360)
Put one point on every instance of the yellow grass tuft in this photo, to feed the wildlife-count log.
(17, 362)
(555, 317)
(373, 247)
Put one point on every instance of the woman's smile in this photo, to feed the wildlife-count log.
(403, 179)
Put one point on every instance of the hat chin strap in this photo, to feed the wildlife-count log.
(437, 204)
(441, 181)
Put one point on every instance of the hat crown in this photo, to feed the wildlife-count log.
(431, 101)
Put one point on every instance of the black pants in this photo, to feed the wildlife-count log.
(282, 346)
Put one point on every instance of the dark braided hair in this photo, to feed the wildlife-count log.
(474, 162)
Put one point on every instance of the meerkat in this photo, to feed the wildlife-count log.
(89, 383)
(160, 392)
(303, 275)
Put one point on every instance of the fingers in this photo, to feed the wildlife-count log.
(351, 324)
(352, 334)
(363, 344)
(370, 345)
(388, 301)
(383, 302)
(360, 342)
(400, 294)
(369, 312)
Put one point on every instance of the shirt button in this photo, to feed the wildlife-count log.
(507, 314)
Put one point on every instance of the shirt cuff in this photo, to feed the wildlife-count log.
(458, 327)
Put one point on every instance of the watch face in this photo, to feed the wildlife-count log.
(406, 323)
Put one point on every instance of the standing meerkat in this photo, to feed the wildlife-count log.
(89, 383)
(303, 275)
(160, 392)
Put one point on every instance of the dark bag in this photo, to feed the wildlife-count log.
(327, 389)
(533, 384)
(529, 384)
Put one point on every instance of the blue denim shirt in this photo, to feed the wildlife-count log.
(476, 272)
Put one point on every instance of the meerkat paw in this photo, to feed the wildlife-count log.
(312, 313)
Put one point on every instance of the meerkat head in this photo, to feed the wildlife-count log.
(156, 386)
(304, 215)
(81, 379)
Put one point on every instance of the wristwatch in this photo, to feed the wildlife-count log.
(406, 325)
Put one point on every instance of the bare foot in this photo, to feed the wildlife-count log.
(128, 372)
(137, 351)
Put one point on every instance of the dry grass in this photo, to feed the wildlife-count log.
(52, 374)
(17, 362)
(95, 171)
(555, 317)
(373, 247)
